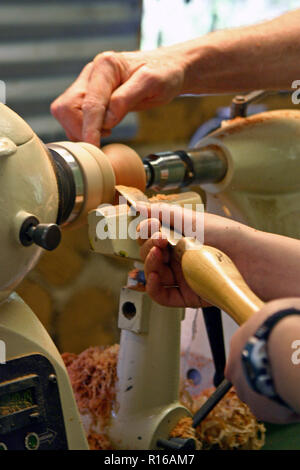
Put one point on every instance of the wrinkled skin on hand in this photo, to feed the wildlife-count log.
(114, 84)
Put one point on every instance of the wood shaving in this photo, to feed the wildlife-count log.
(230, 425)
(93, 375)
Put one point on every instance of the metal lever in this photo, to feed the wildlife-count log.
(211, 402)
(214, 328)
(240, 103)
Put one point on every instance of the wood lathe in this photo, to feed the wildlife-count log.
(251, 165)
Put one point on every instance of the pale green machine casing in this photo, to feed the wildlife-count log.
(261, 186)
(28, 186)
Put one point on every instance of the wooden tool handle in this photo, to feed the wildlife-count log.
(215, 278)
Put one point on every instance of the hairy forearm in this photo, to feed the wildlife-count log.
(263, 56)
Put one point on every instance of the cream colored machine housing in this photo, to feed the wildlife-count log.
(262, 185)
(40, 188)
(147, 394)
(28, 188)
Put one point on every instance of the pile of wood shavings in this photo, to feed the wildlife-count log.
(230, 425)
(99, 441)
(93, 375)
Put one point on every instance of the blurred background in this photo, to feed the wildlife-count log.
(43, 47)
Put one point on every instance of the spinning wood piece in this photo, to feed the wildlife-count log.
(127, 165)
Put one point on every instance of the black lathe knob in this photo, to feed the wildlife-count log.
(47, 236)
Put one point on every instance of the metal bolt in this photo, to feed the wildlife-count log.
(52, 378)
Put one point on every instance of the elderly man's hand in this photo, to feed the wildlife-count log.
(114, 84)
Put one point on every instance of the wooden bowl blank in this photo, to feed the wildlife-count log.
(127, 166)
